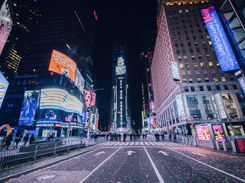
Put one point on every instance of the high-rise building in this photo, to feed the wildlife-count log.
(58, 64)
(119, 109)
(26, 16)
(201, 93)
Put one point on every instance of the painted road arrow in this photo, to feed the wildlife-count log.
(199, 154)
(164, 153)
(129, 152)
(97, 154)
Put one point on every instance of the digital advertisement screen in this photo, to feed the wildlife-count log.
(6, 24)
(3, 88)
(220, 105)
(79, 81)
(219, 134)
(242, 84)
(180, 106)
(28, 108)
(120, 61)
(222, 47)
(175, 71)
(54, 98)
(62, 64)
(203, 133)
(120, 70)
(241, 145)
(153, 122)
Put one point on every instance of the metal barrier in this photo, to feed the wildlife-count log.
(32, 152)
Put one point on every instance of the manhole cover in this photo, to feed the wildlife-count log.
(45, 177)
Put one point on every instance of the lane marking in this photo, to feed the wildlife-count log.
(155, 168)
(130, 152)
(126, 143)
(164, 153)
(141, 143)
(199, 154)
(117, 143)
(136, 143)
(158, 143)
(146, 143)
(231, 175)
(97, 154)
(151, 143)
(81, 181)
(132, 143)
(122, 143)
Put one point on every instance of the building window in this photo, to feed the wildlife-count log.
(184, 81)
(193, 106)
(223, 79)
(212, 71)
(190, 80)
(192, 88)
(180, 11)
(176, 45)
(186, 10)
(183, 51)
(206, 79)
(174, 33)
(199, 80)
(201, 36)
(182, 44)
(195, 64)
(189, 44)
(197, 71)
(180, 38)
(189, 20)
(205, 49)
(203, 43)
(181, 65)
(217, 63)
(208, 56)
(170, 16)
(235, 87)
(186, 32)
(191, 50)
(200, 56)
(179, 58)
(210, 42)
(232, 78)
(201, 88)
(186, 88)
(229, 106)
(187, 65)
(192, 31)
(178, 51)
(188, 72)
(179, 33)
(184, 26)
(175, 39)
(210, 106)
(215, 79)
(196, 43)
(198, 25)
(194, 37)
(187, 37)
(217, 87)
(226, 87)
(177, 27)
(182, 73)
(190, 26)
(209, 88)
(198, 50)
(185, 57)
(202, 65)
(193, 57)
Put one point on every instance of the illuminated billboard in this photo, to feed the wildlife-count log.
(203, 133)
(120, 61)
(28, 108)
(242, 84)
(120, 70)
(222, 47)
(3, 88)
(6, 24)
(62, 64)
(175, 71)
(180, 106)
(79, 81)
(219, 133)
(54, 98)
(221, 107)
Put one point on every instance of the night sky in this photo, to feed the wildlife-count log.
(121, 19)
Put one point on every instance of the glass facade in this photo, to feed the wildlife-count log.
(241, 101)
(229, 105)
(193, 107)
(210, 106)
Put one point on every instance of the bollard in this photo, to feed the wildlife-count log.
(217, 145)
(233, 146)
(224, 145)
(183, 140)
(186, 140)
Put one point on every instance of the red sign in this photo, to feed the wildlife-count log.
(241, 144)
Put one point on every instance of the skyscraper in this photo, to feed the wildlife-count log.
(119, 109)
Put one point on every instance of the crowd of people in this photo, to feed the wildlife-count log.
(119, 136)
(157, 136)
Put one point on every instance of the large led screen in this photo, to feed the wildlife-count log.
(242, 84)
(28, 108)
(219, 134)
(54, 98)
(120, 61)
(62, 64)
(6, 24)
(120, 70)
(222, 47)
(79, 81)
(180, 106)
(203, 133)
(175, 71)
(3, 88)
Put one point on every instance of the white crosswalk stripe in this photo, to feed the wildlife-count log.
(141, 143)
(166, 144)
(136, 143)
(146, 143)
(132, 143)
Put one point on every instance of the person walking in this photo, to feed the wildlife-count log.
(17, 140)
(8, 140)
(124, 137)
(119, 136)
(174, 138)
(131, 136)
(163, 136)
(26, 138)
(170, 137)
(32, 139)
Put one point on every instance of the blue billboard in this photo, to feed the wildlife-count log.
(175, 71)
(242, 84)
(180, 106)
(3, 88)
(222, 47)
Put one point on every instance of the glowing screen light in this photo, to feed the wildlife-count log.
(219, 133)
(203, 133)
(175, 71)
(54, 98)
(222, 47)
(180, 106)
(62, 64)
(242, 84)
(3, 88)
(120, 61)
(6, 24)
(120, 70)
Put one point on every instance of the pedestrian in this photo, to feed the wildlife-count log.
(17, 140)
(26, 138)
(119, 135)
(32, 139)
(163, 136)
(131, 137)
(8, 140)
(145, 136)
(155, 136)
(107, 136)
(124, 137)
(170, 136)
(174, 137)
(158, 137)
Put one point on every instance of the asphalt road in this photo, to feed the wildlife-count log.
(160, 162)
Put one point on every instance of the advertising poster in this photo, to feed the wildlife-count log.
(62, 64)
(175, 71)
(3, 88)
(219, 134)
(6, 24)
(120, 70)
(54, 98)
(79, 81)
(241, 145)
(120, 61)
(221, 106)
(203, 133)
(28, 108)
(180, 106)
(242, 84)
(222, 47)
(153, 122)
